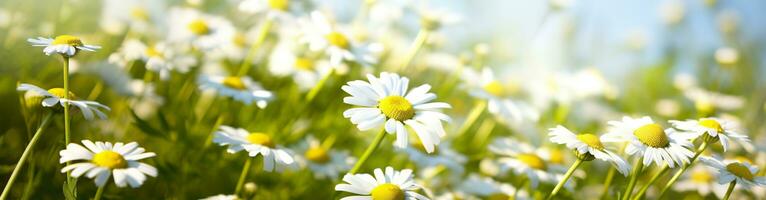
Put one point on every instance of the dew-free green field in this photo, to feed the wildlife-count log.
(382, 99)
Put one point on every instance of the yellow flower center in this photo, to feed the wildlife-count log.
(740, 170)
(304, 63)
(68, 40)
(317, 154)
(139, 13)
(260, 139)
(495, 88)
(711, 123)
(239, 40)
(396, 107)
(110, 159)
(59, 92)
(591, 140)
(701, 176)
(704, 107)
(652, 135)
(234, 82)
(279, 4)
(337, 39)
(532, 161)
(557, 156)
(498, 196)
(152, 52)
(387, 191)
(199, 27)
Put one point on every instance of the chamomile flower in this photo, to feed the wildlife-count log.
(66, 45)
(443, 156)
(523, 159)
(306, 70)
(390, 184)
(239, 139)
(325, 163)
(104, 159)
(387, 100)
(699, 179)
(160, 57)
(222, 197)
(650, 141)
(712, 129)
(587, 147)
(201, 30)
(487, 188)
(498, 94)
(53, 96)
(322, 35)
(241, 88)
(743, 173)
(137, 15)
(272, 8)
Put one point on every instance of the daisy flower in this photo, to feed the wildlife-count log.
(322, 35)
(587, 147)
(729, 171)
(650, 141)
(306, 70)
(239, 139)
(104, 159)
(389, 185)
(53, 96)
(700, 180)
(443, 156)
(137, 15)
(66, 45)
(201, 30)
(272, 8)
(487, 188)
(523, 159)
(498, 94)
(387, 100)
(160, 58)
(712, 129)
(222, 197)
(241, 88)
(325, 163)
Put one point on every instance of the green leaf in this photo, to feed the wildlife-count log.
(70, 189)
(145, 126)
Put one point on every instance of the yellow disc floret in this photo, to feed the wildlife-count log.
(110, 159)
(712, 124)
(532, 161)
(67, 40)
(59, 92)
(304, 63)
(260, 139)
(701, 176)
(740, 171)
(234, 82)
(199, 27)
(317, 155)
(279, 4)
(153, 52)
(495, 88)
(387, 191)
(396, 107)
(591, 140)
(337, 39)
(652, 135)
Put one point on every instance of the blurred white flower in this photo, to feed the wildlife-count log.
(714, 128)
(239, 139)
(700, 180)
(325, 163)
(204, 31)
(160, 58)
(487, 188)
(745, 174)
(523, 159)
(499, 96)
(241, 89)
(726, 56)
(322, 35)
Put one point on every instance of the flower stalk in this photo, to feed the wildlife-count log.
(25, 154)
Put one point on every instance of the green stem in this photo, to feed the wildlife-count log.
(66, 111)
(25, 154)
(678, 174)
(731, 189)
(263, 31)
(315, 90)
(608, 182)
(420, 39)
(566, 177)
(368, 152)
(243, 175)
(99, 192)
(651, 181)
(633, 178)
(472, 117)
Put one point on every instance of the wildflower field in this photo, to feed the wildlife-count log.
(382, 99)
